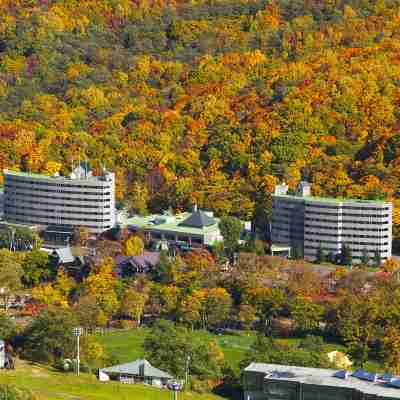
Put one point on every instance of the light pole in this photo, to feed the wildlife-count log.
(77, 332)
(187, 371)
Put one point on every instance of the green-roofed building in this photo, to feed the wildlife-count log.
(309, 224)
(196, 227)
(80, 199)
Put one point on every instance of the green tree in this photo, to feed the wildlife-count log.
(313, 343)
(346, 255)
(320, 257)
(306, 314)
(88, 312)
(266, 350)
(247, 316)
(168, 347)
(391, 349)
(49, 336)
(10, 275)
(365, 257)
(7, 327)
(231, 228)
(36, 268)
(377, 260)
(8, 392)
(217, 306)
(356, 322)
(297, 252)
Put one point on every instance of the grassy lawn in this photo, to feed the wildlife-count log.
(128, 345)
(47, 384)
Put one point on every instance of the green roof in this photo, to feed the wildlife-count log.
(168, 223)
(335, 200)
(27, 174)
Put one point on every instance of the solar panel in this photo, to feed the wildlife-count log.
(366, 376)
(342, 374)
(395, 383)
(387, 377)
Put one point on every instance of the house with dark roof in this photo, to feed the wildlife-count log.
(146, 262)
(193, 228)
(139, 371)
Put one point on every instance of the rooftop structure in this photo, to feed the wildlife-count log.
(198, 227)
(80, 199)
(308, 222)
(266, 381)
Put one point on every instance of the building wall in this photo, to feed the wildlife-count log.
(288, 221)
(290, 390)
(60, 201)
(360, 225)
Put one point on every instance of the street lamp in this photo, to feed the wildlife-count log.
(77, 332)
(187, 371)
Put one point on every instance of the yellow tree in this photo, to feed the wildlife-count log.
(133, 246)
(100, 284)
(132, 304)
(391, 349)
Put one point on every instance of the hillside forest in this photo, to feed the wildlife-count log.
(209, 101)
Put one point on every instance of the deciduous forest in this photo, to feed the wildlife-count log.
(208, 101)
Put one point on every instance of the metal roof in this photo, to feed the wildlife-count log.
(335, 200)
(139, 367)
(324, 377)
(64, 255)
(198, 219)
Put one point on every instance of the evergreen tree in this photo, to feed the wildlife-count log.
(293, 253)
(377, 258)
(365, 257)
(347, 256)
(320, 257)
(297, 252)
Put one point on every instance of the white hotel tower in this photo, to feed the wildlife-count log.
(313, 222)
(80, 199)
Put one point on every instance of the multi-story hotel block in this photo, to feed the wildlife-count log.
(80, 199)
(312, 222)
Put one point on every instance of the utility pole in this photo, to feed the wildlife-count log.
(77, 332)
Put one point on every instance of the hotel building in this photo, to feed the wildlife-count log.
(80, 199)
(309, 222)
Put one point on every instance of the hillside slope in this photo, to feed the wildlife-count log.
(212, 101)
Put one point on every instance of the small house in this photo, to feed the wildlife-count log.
(144, 263)
(139, 371)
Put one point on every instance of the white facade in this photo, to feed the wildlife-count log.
(78, 200)
(311, 222)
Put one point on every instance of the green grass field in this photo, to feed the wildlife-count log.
(47, 384)
(128, 345)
